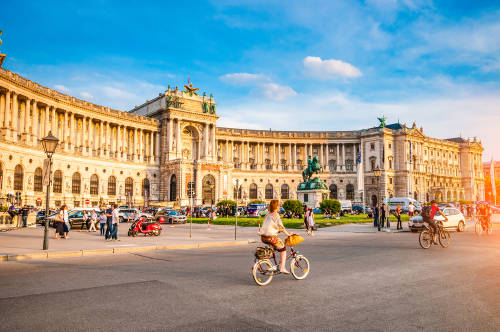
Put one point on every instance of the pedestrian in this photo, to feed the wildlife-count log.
(85, 219)
(102, 222)
(66, 224)
(375, 215)
(397, 213)
(310, 221)
(109, 223)
(24, 214)
(381, 216)
(93, 221)
(59, 223)
(115, 222)
(387, 215)
(411, 209)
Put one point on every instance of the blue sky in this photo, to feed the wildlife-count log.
(298, 65)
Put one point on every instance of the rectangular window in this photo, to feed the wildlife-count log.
(390, 145)
(390, 180)
(306, 197)
(372, 146)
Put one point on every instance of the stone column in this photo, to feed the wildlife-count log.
(8, 114)
(169, 135)
(343, 155)
(214, 148)
(354, 157)
(151, 147)
(35, 124)
(125, 143)
(327, 163)
(46, 121)
(26, 124)
(338, 157)
(178, 137)
(206, 140)
(2, 110)
(91, 137)
(157, 148)
(107, 141)
(15, 115)
(53, 126)
(101, 139)
(322, 155)
(141, 146)
(135, 146)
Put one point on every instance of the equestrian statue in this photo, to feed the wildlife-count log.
(313, 166)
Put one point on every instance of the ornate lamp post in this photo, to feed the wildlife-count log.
(377, 172)
(49, 144)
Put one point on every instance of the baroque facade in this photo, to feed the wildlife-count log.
(158, 150)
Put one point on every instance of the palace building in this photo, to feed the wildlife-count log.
(156, 151)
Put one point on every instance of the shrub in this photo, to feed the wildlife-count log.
(257, 201)
(331, 205)
(227, 202)
(293, 205)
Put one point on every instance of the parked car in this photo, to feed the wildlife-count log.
(456, 220)
(256, 210)
(394, 202)
(40, 216)
(170, 216)
(346, 206)
(317, 211)
(126, 214)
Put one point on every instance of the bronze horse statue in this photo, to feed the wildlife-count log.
(313, 166)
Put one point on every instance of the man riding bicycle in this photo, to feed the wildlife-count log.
(429, 217)
(484, 214)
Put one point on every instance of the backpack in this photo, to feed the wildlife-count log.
(426, 211)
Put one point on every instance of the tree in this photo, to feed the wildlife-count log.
(331, 205)
(227, 202)
(293, 205)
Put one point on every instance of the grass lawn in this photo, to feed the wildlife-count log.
(295, 223)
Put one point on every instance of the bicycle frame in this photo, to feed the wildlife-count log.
(293, 253)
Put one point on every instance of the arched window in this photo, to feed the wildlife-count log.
(76, 183)
(253, 191)
(37, 180)
(349, 192)
(285, 191)
(57, 187)
(145, 187)
(111, 186)
(269, 191)
(173, 188)
(94, 184)
(18, 177)
(129, 187)
(333, 191)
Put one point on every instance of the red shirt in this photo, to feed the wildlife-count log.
(434, 209)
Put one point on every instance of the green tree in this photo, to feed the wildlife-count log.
(227, 202)
(293, 205)
(331, 205)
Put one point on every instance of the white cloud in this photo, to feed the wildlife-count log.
(86, 95)
(277, 92)
(243, 78)
(329, 68)
(61, 88)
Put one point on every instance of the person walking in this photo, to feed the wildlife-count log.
(85, 220)
(59, 223)
(93, 221)
(24, 215)
(66, 224)
(411, 209)
(397, 213)
(309, 221)
(375, 215)
(115, 222)
(102, 222)
(387, 216)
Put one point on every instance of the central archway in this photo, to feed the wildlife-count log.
(208, 189)
(173, 188)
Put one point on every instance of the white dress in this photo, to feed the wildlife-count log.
(310, 219)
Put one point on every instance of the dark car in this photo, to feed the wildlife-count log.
(40, 216)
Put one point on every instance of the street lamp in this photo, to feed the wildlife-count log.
(49, 144)
(377, 172)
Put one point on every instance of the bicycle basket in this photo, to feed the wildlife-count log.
(293, 240)
(263, 252)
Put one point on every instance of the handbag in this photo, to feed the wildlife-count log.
(293, 240)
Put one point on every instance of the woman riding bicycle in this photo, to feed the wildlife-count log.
(269, 234)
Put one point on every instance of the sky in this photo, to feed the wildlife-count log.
(281, 65)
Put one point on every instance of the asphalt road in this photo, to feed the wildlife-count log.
(358, 282)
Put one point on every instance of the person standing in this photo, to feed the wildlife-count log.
(381, 220)
(109, 223)
(85, 219)
(93, 221)
(411, 209)
(397, 213)
(59, 223)
(66, 224)
(375, 215)
(310, 221)
(387, 216)
(102, 222)
(115, 222)
(24, 215)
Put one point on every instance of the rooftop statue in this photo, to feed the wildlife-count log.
(382, 121)
(190, 90)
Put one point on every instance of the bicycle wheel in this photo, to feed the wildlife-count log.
(478, 229)
(425, 239)
(444, 238)
(263, 272)
(299, 266)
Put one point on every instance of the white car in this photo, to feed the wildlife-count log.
(456, 220)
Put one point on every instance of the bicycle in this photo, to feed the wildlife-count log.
(483, 225)
(426, 237)
(264, 270)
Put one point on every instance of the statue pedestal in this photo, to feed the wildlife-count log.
(312, 197)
